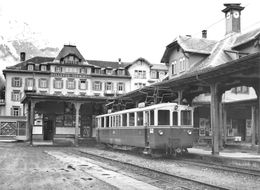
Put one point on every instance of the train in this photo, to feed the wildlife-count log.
(164, 128)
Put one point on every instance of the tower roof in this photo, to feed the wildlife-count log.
(69, 50)
(232, 6)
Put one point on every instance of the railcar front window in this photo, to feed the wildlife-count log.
(124, 119)
(185, 117)
(174, 118)
(131, 119)
(163, 117)
(107, 121)
(140, 118)
(151, 117)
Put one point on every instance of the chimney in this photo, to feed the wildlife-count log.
(204, 33)
(22, 56)
(119, 61)
(232, 15)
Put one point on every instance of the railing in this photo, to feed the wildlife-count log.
(29, 88)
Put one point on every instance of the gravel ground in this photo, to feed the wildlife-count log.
(25, 167)
(222, 178)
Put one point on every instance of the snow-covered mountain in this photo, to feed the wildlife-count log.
(16, 37)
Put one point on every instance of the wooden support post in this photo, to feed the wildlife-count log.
(221, 127)
(32, 106)
(180, 97)
(214, 113)
(224, 124)
(77, 108)
(258, 118)
(253, 124)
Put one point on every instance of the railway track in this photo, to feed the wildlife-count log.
(163, 178)
(221, 167)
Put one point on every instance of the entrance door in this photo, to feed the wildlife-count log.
(48, 130)
(146, 125)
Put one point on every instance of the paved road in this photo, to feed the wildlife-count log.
(25, 167)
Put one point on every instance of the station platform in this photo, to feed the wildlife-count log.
(229, 156)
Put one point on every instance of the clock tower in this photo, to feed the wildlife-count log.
(232, 15)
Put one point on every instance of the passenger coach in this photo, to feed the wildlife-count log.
(165, 128)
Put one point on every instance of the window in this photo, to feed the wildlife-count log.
(174, 68)
(151, 117)
(58, 69)
(107, 121)
(109, 71)
(15, 111)
(30, 67)
(121, 86)
(109, 86)
(182, 63)
(163, 117)
(97, 86)
(58, 83)
(97, 71)
(16, 96)
(82, 70)
(161, 74)
(131, 119)
(185, 117)
(124, 119)
(153, 74)
(102, 122)
(83, 85)
(240, 90)
(43, 68)
(16, 82)
(43, 83)
(29, 82)
(140, 74)
(120, 72)
(174, 118)
(71, 69)
(71, 84)
(140, 118)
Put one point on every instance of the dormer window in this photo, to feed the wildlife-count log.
(43, 68)
(97, 70)
(30, 68)
(120, 72)
(58, 69)
(109, 71)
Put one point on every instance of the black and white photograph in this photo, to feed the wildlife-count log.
(129, 95)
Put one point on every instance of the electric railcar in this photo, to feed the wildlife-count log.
(166, 128)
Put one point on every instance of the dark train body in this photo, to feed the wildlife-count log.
(165, 128)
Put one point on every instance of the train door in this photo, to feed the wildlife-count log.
(146, 125)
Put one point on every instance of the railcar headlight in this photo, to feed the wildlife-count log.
(189, 132)
(160, 132)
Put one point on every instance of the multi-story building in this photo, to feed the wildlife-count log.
(66, 78)
(187, 54)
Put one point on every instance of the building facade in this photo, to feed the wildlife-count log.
(187, 55)
(59, 84)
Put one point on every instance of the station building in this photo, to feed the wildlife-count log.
(239, 107)
(50, 98)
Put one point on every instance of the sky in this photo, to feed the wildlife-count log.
(126, 29)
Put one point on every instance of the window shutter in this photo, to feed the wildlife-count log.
(13, 82)
(21, 82)
(79, 83)
(117, 86)
(19, 111)
(12, 96)
(74, 84)
(47, 83)
(11, 112)
(112, 86)
(101, 86)
(123, 85)
(61, 83)
(86, 84)
(39, 83)
(93, 85)
(67, 84)
(54, 83)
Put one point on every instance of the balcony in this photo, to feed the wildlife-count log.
(120, 92)
(109, 92)
(2, 102)
(29, 89)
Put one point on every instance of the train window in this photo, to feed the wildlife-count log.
(163, 117)
(151, 117)
(107, 121)
(174, 118)
(185, 117)
(140, 118)
(102, 122)
(124, 119)
(131, 119)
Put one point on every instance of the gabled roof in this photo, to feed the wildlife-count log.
(69, 50)
(139, 59)
(162, 67)
(189, 44)
(247, 37)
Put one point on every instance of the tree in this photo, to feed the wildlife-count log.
(2, 88)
